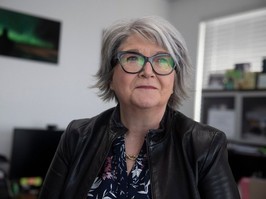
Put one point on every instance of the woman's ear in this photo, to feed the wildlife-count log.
(111, 85)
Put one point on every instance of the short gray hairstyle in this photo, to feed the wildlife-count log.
(152, 28)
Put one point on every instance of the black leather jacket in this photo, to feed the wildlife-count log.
(187, 160)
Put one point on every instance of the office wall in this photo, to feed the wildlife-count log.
(34, 94)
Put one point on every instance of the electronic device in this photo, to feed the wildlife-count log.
(32, 152)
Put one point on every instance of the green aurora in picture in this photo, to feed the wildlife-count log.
(29, 37)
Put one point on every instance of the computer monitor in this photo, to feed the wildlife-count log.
(32, 152)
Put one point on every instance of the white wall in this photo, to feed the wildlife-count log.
(34, 94)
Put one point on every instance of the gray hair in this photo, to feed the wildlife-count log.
(152, 28)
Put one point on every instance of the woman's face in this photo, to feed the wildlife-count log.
(144, 89)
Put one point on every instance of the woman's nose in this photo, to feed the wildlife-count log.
(147, 70)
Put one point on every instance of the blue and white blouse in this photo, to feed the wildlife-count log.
(113, 180)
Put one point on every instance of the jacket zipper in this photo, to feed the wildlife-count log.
(149, 162)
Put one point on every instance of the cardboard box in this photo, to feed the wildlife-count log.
(252, 188)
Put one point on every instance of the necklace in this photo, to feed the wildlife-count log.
(131, 157)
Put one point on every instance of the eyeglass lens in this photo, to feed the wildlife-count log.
(131, 62)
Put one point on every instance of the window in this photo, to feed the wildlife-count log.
(227, 41)
(235, 39)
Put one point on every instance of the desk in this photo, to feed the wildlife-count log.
(246, 164)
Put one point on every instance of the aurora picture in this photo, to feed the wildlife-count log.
(29, 37)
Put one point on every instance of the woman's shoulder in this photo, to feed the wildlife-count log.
(84, 125)
(194, 128)
(200, 135)
(200, 142)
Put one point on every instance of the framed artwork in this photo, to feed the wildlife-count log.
(29, 37)
(261, 82)
(216, 81)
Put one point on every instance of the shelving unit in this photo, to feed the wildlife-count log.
(241, 114)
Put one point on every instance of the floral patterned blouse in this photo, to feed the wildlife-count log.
(113, 180)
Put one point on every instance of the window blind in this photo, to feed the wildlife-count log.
(235, 39)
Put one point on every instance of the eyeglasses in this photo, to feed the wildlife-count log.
(133, 62)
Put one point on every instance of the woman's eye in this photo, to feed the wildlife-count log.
(161, 61)
(132, 59)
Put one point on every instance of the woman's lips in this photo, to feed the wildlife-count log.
(146, 87)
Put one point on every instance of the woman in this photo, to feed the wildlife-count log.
(143, 147)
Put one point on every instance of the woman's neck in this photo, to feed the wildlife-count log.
(140, 121)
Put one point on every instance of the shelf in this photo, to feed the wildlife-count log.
(241, 114)
(232, 91)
